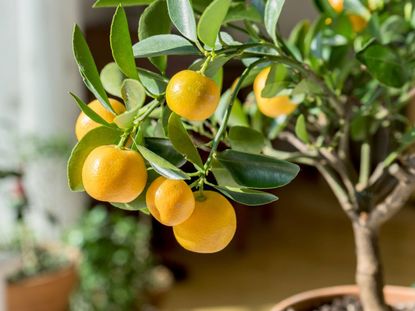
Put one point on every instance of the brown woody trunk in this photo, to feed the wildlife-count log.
(369, 275)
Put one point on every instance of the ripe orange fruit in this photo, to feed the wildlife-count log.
(271, 107)
(337, 5)
(211, 226)
(358, 22)
(113, 174)
(84, 124)
(171, 202)
(192, 95)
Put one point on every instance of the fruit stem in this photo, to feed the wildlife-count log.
(123, 139)
(205, 64)
(223, 126)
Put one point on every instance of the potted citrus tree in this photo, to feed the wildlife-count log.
(335, 91)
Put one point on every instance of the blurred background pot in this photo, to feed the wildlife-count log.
(307, 301)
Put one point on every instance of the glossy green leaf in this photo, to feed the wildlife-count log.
(165, 149)
(242, 11)
(275, 81)
(126, 119)
(181, 140)
(115, 3)
(237, 117)
(152, 82)
(133, 94)
(247, 196)
(161, 165)
(213, 67)
(182, 17)
(89, 112)
(164, 45)
(112, 78)
(93, 139)
(87, 67)
(356, 6)
(272, 13)
(257, 171)
(211, 20)
(384, 64)
(246, 139)
(222, 175)
(301, 129)
(121, 45)
(155, 20)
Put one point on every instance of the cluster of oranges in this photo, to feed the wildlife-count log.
(202, 222)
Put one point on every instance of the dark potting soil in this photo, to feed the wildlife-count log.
(350, 303)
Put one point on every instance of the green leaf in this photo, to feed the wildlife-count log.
(241, 11)
(89, 112)
(87, 67)
(211, 21)
(273, 10)
(126, 119)
(247, 196)
(257, 171)
(301, 129)
(112, 78)
(93, 139)
(356, 6)
(121, 45)
(213, 67)
(133, 94)
(181, 15)
(115, 3)
(164, 45)
(181, 140)
(237, 117)
(155, 20)
(275, 81)
(152, 82)
(165, 149)
(222, 175)
(246, 139)
(161, 165)
(384, 64)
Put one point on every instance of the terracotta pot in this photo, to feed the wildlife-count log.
(307, 300)
(45, 292)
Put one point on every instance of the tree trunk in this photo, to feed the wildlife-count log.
(369, 274)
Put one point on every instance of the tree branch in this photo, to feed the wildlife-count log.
(396, 199)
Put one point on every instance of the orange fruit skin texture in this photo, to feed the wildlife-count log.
(112, 174)
(171, 202)
(210, 228)
(271, 107)
(337, 5)
(84, 124)
(358, 22)
(192, 95)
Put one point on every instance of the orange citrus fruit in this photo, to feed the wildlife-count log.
(170, 201)
(358, 22)
(113, 174)
(210, 228)
(337, 5)
(84, 124)
(192, 95)
(271, 107)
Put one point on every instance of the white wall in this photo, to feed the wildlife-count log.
(37, 72)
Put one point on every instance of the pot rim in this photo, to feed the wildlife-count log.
(342, 290)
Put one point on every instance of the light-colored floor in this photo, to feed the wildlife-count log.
(307, 244)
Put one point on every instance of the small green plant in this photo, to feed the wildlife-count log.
(116, 264)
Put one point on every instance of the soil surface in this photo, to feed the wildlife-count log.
(350, 303)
